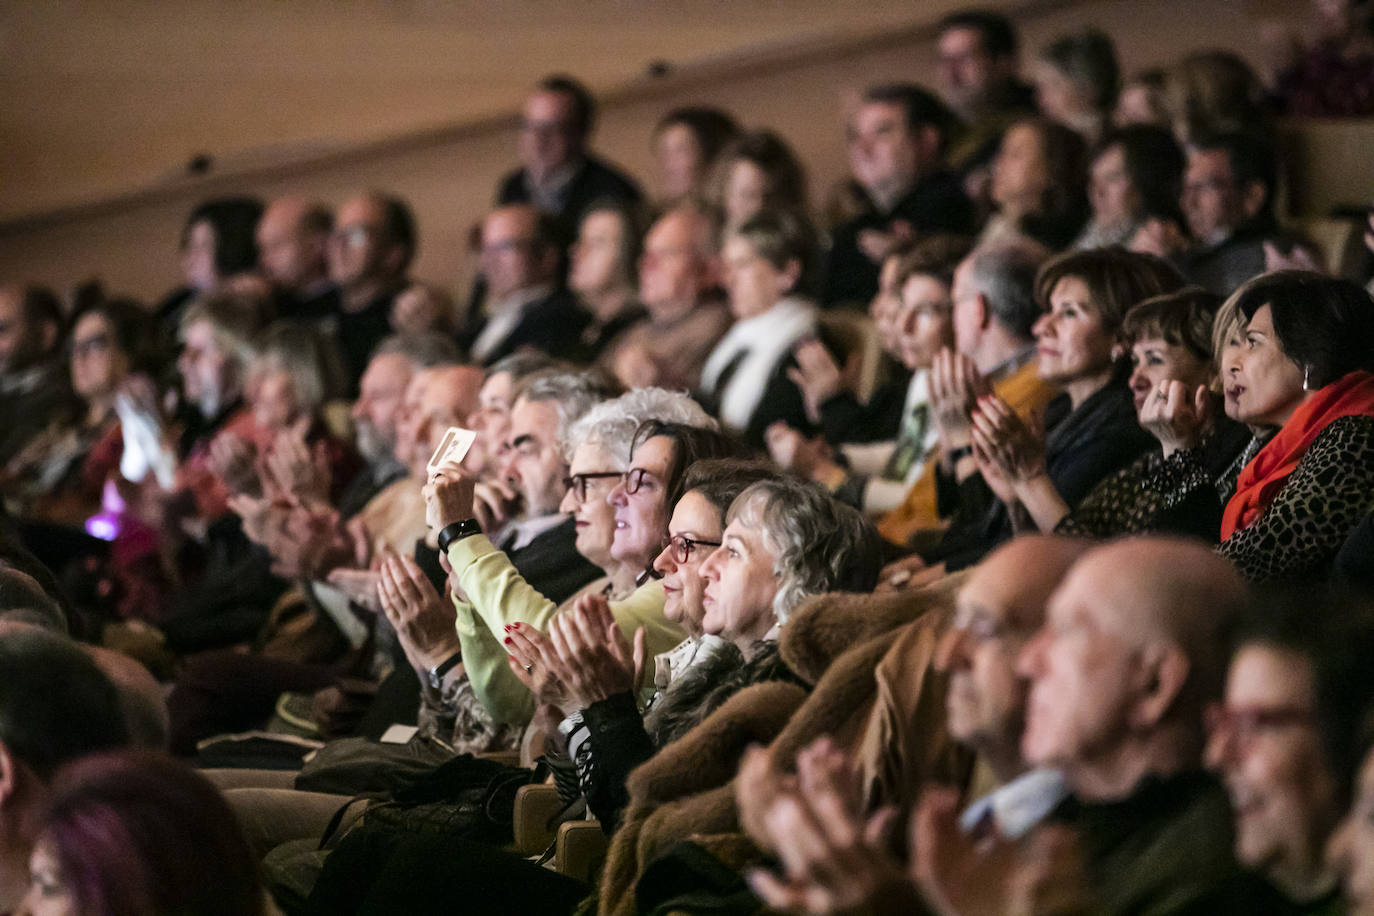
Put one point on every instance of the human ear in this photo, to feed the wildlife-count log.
(1164, 672)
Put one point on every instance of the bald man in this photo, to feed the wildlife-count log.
(526, 307)
(293, 244)
(1132, 651)
(678, 287)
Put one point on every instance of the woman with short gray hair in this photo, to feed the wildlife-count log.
(784, 541)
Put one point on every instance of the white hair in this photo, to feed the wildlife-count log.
(612, 423)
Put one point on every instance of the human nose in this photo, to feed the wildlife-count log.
(617, 497)
(950, 649)
(570, 502)
(665, 562)
(709, 568)
(1031, 660)
(1042, 326)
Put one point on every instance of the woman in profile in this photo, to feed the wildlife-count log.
(134, 833)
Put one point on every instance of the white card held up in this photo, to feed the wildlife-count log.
(452, 448)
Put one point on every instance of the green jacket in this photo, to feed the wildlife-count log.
(499, 596)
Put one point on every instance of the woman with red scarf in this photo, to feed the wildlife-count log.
(1304, 366)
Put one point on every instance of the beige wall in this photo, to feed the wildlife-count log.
(450, 181)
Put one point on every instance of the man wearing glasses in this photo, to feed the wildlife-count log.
(525, 306)
(558, 176)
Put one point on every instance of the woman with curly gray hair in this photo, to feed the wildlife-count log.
(784, 540)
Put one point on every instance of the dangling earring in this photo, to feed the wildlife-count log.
(1307, 378)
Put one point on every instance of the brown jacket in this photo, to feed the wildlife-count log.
(836, 642)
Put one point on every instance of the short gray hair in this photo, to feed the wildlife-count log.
(819, 544)
(612, 423)
(1005, 275)
(572, 393)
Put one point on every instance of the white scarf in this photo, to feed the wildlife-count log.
(768, 337)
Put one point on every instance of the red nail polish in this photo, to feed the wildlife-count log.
(508, 639)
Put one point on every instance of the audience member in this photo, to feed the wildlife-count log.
(744, 380)
(55, 706)
(1214, 92)
(896, 142)
(370, 249)
(1228, 202)
(1304, 369)
(605, 737)
(879, 474)
(293, 247)
(127, 833)
(978, 69)
(1266, 740)
(604, 274)
(1332, 77)
(1039, 181)
(525, 307)
(558, 176)
(216, 246)
(32, 387)
(1136, 175)
(1131, 654)
(999, 608)
(1077, 81)
(58, 475)
(994, 311)
(1351, 848)
(756, 171)
(1176, 488)
(678, 287)
(1143, 100)
(687, 142)
(1091, 428)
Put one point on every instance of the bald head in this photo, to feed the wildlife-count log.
(292, 237)
(1000, 606)
(1133, 646)
(517, 251)
(675, 269)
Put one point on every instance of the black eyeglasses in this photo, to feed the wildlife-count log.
(683, 546)
(578, 482)
(634, 479)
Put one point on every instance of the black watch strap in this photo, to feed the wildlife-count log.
(436, 674)
(957, 455)
(457, 531)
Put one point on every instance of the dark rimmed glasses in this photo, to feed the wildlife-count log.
(578, 482)
(683, 546)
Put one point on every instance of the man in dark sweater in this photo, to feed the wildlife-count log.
(370, 250)
(557, 174)
(896, 143)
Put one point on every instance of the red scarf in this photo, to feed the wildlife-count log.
(1262, 479)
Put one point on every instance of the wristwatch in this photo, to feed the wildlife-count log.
(436, 674)
(456, 532)
(955, 455)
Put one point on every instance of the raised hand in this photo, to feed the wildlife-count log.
(792, 451)
(448, 497)
(955, 386)
(534, 660)
(1176, 417)
(424, 621)
(296, 469)
(817, 375)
